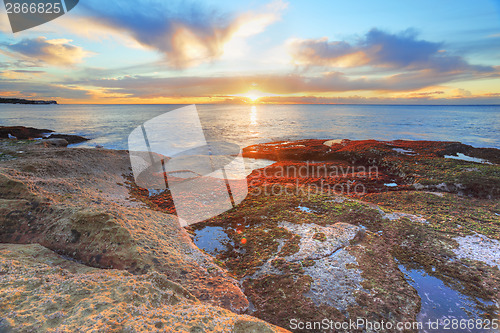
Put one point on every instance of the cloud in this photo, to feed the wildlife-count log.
(331, 88)
(30, 89)
(57, 52)
(187, 34)
(196, 86)
(417, 98)
(27, 71)
(21, 74)
(379, 49)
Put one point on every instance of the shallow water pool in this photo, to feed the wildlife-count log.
(213, 240)
(440, 302)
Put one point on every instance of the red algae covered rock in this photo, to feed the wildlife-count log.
(429, 165)
(43, 292)
(321, 150)
(286, 150)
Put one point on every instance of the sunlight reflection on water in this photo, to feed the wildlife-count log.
(110, 125)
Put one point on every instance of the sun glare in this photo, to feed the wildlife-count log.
(254, 95)
(253, 116)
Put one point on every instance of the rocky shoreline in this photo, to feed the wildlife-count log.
(48, 136)
(82, 247)
(75, 204)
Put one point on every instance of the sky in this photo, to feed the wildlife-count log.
(258, 51)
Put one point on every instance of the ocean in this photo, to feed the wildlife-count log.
(110, 125)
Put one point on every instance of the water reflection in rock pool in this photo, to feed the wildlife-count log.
(442, 302)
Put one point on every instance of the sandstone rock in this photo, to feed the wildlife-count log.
(242, 326)
(5, 326)
(41, 291)
(479, 247)
(55, 142)
(74, 202)
(332, 283)
(71, 139)
(317, 242)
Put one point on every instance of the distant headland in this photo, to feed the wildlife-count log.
(24, 101)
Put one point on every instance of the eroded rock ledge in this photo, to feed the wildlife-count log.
(41, 291)
(76, 203)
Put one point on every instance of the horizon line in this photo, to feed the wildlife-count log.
(256, 104)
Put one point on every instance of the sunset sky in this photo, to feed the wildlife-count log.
(217, 51)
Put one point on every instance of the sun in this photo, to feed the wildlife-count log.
(254, 95)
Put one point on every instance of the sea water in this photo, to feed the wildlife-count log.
(110, 125)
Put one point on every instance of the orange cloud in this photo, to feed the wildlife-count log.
(56, 52)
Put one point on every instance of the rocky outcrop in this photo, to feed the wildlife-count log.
(363, 150)
(53, 142)
(300, 253)
(27, 133)
(318, 242)
(71, 139)
(422, 165)
(304, 249)
(42, 291)
(75, 202)
(23, 133)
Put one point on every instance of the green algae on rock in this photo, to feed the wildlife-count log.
(404, 225)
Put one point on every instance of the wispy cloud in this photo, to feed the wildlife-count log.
(30, 89)
(56, 52)
(154, 87)
(187, 34)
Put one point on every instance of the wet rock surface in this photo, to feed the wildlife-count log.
(54, 142)
(71, 139)
(333, 282)
(23, 133)
(479, 248)
(29, 133)
(408, 164)
(423, 223)
(317, 242)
